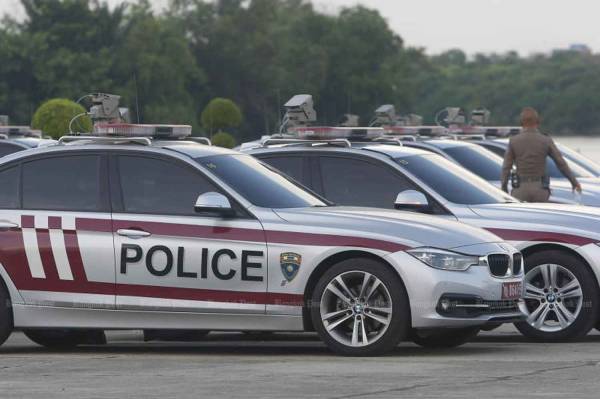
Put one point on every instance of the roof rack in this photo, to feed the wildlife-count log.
(104, 140)
(200, 140)
(302, 142)
(388, 140)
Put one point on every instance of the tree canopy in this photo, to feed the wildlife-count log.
(259, 53)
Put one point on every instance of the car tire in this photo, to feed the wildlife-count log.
(65, 338)
(444, 338)
(561, 297)
(369, 320)
(6, 315)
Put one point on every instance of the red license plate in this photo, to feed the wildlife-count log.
(512, 290)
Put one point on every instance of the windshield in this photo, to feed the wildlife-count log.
(257, 183)
(453, 182)
(580, 159)
(478, 160)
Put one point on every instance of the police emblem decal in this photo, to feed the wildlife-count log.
(290, 264)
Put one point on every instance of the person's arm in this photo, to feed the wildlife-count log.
(509, 158)
(563, 166)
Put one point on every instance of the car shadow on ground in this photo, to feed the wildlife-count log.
(266, 344)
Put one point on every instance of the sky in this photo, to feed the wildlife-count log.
(526, 26)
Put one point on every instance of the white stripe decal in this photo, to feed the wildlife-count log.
(40, 221)
(32, 251)
(68, 222)
(59, 250)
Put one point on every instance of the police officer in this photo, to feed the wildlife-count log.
(528, 150)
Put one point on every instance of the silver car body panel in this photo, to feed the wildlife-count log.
(67, 269)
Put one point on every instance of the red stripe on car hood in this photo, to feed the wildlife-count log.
(543, 236)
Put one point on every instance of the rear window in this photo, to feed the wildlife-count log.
(9, 188)
(63, 184)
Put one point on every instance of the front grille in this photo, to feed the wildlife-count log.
(517, 263)
(499, 264)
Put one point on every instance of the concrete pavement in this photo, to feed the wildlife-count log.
(498, 364)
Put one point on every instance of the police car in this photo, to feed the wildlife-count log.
(19, 138)
(139, 227)
(488, 165)
(560, 242)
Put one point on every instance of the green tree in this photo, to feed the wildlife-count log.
(219, 114)
(223, 139)
(54, 117)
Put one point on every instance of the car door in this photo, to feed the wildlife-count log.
(57, 244)
(174, 259)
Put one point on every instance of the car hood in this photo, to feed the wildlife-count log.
(408, 228)
(560, 218)
(562, 192)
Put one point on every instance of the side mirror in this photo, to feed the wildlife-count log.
(411, 200)
(213, 203)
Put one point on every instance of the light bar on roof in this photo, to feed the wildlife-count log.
(496, 131)
(137, 130)
(20, 131)
(326, 132)
(415, 130)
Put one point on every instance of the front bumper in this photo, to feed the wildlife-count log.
(427, 287)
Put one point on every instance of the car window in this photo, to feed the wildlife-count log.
(258, 183)
(70, 183)
(451, 181)
(7, 148)
(496, 150)
(290, 165)
(360, 183)
(155, 186)
(478, 160)
(9, 192)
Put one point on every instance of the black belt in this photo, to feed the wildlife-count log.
(530, 179)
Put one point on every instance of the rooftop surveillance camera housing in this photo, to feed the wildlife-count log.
(480, 117)
(410, 120)
(105, 107)
(350, 120)
(455, 116)
(384, 115)
(3, 120)
(300, 111)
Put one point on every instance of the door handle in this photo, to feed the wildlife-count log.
(5, 226)
(133, 233)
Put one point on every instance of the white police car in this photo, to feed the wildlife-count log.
(124, 231)
(560, 242)
(18, 138)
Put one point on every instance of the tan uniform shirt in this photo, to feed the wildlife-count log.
(529, 150)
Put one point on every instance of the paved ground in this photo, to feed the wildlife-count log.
(498, 364)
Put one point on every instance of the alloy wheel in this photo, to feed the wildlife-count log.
(356, 308)
(553, 297)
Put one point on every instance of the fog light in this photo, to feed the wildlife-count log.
(445, 304)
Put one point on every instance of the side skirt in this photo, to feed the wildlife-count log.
(27, 316)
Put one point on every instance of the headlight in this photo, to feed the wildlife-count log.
(445, 260)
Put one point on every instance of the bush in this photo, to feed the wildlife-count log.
(53, 118)
(223, 139)
(219, 114)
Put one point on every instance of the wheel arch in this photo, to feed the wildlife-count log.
(322, 268)
(537, 248)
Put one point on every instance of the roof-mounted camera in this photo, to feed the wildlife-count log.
(105, 108)
(300, 112)
(480, 117)
(384, 115)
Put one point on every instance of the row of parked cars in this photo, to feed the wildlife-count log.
(367, 240)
